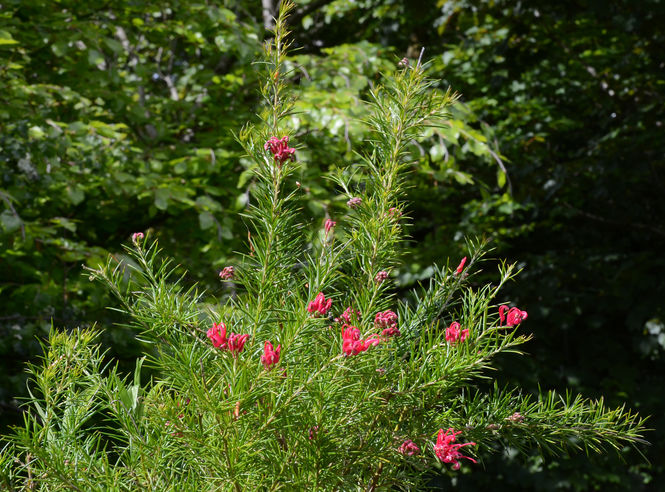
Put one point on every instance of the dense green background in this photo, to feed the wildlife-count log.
(117, 117)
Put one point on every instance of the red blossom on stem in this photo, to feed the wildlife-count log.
(270, 355)
(448, 452)
(328, 225)
(217, 334)
(279, 147)
(354, 202)
(388, 321)
(137, 236)
(234, 343)
(460, 267)
(381, 276)
(227, 273)
(454, 334)
(349, 313)
(408, 447)
(514, 316)
(319, 305)
(352, 344)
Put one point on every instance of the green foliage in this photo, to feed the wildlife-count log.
(328, 415)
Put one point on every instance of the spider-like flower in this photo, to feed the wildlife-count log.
(227, 273)
(381, 276)
(352, 344)
(217, 335)
(408, 447)
(354, 202)
(448, 452)
(514, 317)
(454, 334)
(319, 305)
(328, 225)
(236, 343)
(388, 321)
(270, 355)
(137, 236)
(279, 147)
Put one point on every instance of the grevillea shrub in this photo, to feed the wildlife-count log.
(313, 375)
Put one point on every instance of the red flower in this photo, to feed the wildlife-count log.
(514, 317)
(227, 273)
(236, 343)
(448, 452)
(280, 149)
(381, 276)
(352, 344)
(354, 202)
(217, 334)
(454, 334)
(409, 447)
(349, 312)
(460, 267)
(388, 321)
(328, 225)
(319, 304)
(270, 356)
(137, 236)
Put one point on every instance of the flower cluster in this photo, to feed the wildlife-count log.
(454, 334)
(319, 305)
(270, 355)
(354, 202)
(279, 147)
(514, 316)
(387, 320)
(351, 342)
(234, 343)
(348, 315)
(227, 273)
(381, 276)
(328, 225)
(409, 447)
(448, 452)
(137, 236)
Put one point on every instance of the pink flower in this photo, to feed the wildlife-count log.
(381, 276)
(409, 447)
(313, 432)
(280, 149)
(236, 343)
(227, 273)
(348, 314)
(328, 225)
(448, 452)
(217, 334)
(351, 342)
(354, 202)
(454, 334)
(319, 305)
(270, 356)
(514, 317)
(394, 212)
(388, 321)
(460, 267)
(516, 417)
(137, 236)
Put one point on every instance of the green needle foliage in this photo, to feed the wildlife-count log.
(337, 406)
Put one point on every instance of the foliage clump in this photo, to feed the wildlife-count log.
(313, 375)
